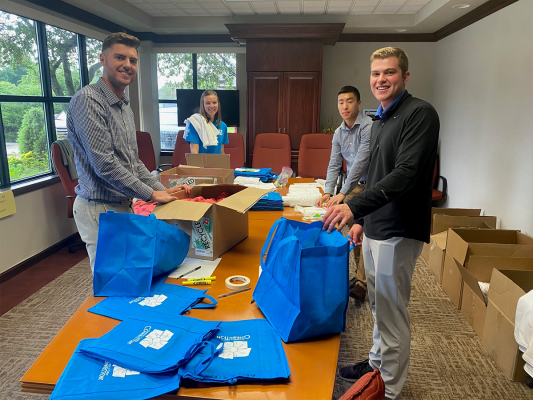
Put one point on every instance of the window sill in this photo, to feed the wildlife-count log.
(166, 153)
(34, 184)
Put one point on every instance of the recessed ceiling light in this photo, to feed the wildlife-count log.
(461, 6)
(400, 30)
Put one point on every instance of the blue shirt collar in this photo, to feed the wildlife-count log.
(381, 113)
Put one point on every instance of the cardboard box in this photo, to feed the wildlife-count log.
(425, 251)
(441, 223)
(195, 176)
(437, 248)
(473, 304)
(467, 212)
(463, 245)
(208, 160)
(506, 287)
(214, 228)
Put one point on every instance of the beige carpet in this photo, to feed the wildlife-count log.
(448, 360)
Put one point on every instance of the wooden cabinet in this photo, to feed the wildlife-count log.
(283, 102)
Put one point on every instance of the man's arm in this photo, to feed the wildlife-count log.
(360, 164)
(420, 135)
(88, 118)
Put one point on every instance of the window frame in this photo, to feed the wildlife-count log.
(47, 98)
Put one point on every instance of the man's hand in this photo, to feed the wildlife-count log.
(355, 235)
(335, 200)
(323, 199)
(161, 196)
(176, 189)
(341, 214)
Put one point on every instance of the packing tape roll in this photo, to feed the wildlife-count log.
(239, 282)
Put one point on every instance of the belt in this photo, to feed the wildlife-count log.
(123, 202)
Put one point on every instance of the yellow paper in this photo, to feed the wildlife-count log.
(7, 204)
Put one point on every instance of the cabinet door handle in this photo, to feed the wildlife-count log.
(279, 130)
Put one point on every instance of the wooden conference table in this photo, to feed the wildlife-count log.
(312, 363)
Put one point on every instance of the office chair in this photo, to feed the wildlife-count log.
(69, 185)
(146, 150)
(272, 150)
(314, 156)
(178, 156)
(235, 148)
(438, 197)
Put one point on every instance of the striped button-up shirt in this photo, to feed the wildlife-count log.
(353, 145)
(101, 130)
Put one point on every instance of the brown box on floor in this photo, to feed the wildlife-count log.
(214, 228)
(437, 250)
(473, 303)
(506, 287)
(195, 176)
(208, 160)
(462, 244)
(444, 218)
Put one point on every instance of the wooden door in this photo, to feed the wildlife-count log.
(265, 99)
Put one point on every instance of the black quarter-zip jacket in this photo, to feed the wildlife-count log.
(397, 198)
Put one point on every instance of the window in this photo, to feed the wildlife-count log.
(40, 70)
(216, 71)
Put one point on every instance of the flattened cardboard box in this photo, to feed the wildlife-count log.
(467, 212)
(506, 287)
(195, 176)
(473, 305)
(208, 160)
(214, 228)
(437, 248)
(463, 244)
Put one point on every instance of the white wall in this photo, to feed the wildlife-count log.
(344, 60)
(40, 222)
(484, 96)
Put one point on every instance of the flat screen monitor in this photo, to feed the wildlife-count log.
(189, 103)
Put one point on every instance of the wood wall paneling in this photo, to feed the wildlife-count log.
(300, 105)
(283, 55)
(265, 102)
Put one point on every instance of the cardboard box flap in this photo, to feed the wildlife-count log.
(208, 160)
(481, 266)
(439, 239)
(506, 287)
(471, 281)
(184, 210)
(499, 250)
(243, 200)
(469, 212)
(502, 236)
(524, 239)
(441, 222)
(456, 247)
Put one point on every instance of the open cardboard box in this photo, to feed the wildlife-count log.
(473, 305)
(193, 176)
(506, 287)
(214, 228)
(437, 250)
(463, 244)
(444, 218)
(208, 160)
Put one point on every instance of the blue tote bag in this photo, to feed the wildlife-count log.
(89, 378)
(242, 350)
(152, 342)
(170, 299)
(303, 287)
(135, 254)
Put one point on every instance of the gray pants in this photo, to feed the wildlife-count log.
(389, 266)
(86, 214)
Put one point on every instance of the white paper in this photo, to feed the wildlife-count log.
(208, 267)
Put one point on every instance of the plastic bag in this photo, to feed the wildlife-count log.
(283, 178)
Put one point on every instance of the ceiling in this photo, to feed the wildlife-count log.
(188, 17)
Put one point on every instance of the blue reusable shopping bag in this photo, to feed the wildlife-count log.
(242, 350)
(135, 254)
(89, 378)
(303, 286)
(152, 342)
(170, 299)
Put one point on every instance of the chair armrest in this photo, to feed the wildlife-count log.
(444, 185)
(72, 196)
(159, 169)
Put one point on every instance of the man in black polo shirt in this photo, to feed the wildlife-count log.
(395, 211)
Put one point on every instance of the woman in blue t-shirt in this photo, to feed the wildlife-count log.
(205, 132)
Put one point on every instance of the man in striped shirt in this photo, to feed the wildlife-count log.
(102, 133)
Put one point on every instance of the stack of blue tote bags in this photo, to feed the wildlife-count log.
(270, 202)
(264, 174)
(303, 287)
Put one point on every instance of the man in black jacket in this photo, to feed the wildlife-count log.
(395, 210)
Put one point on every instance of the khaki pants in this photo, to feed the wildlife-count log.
(359, 261)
